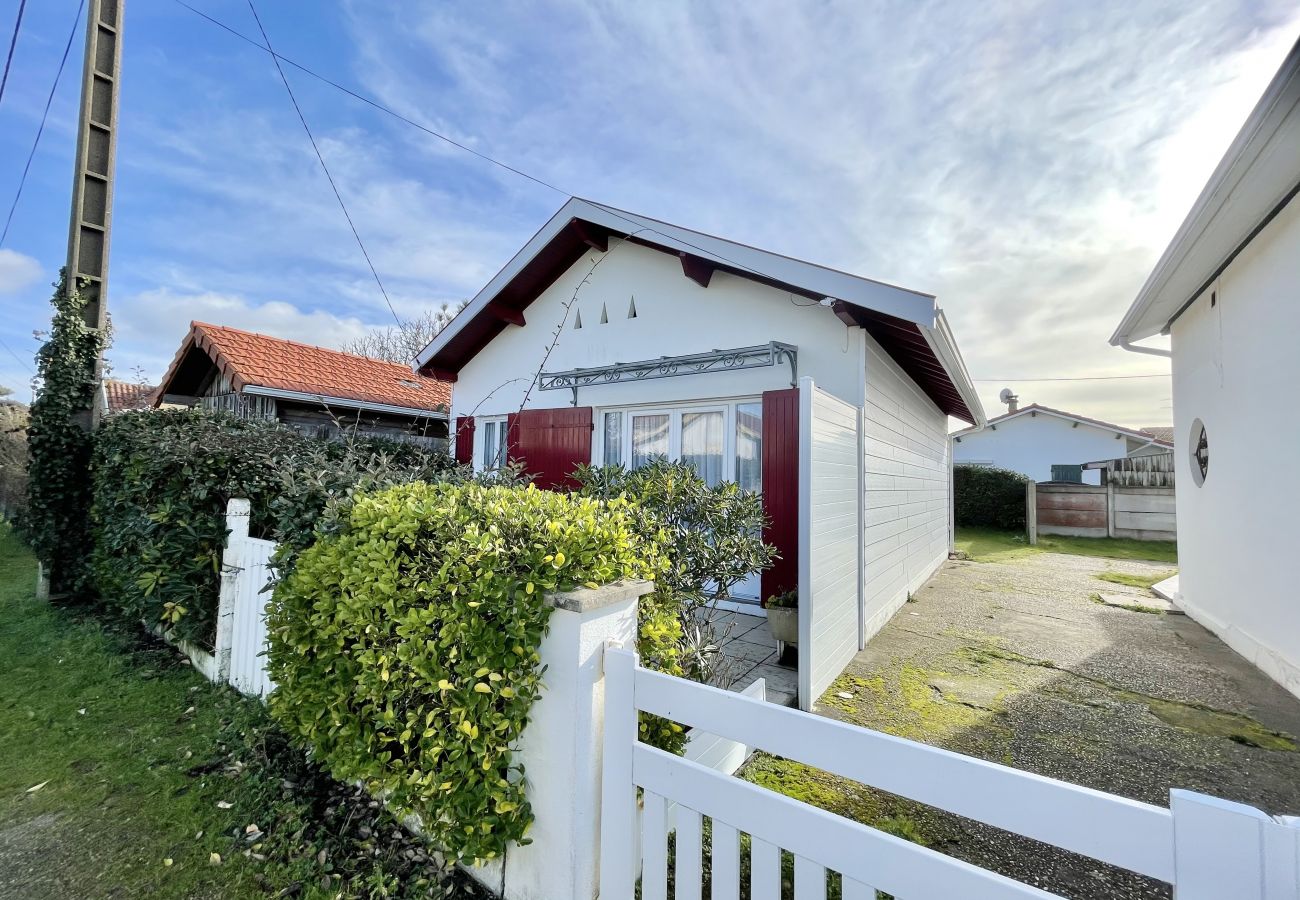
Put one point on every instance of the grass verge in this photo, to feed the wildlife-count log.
(1137, 581)
(124, 773)
(992, 545)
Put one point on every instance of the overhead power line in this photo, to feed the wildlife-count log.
(370, 101)
(338, 196)
(41, 130)
(22, 362)
(13, 42)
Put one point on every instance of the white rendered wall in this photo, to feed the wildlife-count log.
(908, 504)
(1236, 368)
(830, 518)
(1032, 444)
(675, 316)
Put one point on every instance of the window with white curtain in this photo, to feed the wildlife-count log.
(492, 444)
(722, 441)
(650, 434)
(702, 444)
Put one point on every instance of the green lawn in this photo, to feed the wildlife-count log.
(992, 545)
(122, 772)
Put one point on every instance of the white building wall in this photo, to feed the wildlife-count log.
(1236, 368)
(830, 516)
(674, 316)
(908, 505)
(1032, 444)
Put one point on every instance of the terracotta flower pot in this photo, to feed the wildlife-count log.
(783, 622)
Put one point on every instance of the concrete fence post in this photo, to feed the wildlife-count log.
(238, 512)
(561, 749)
(1031, 512)
(1110, 507)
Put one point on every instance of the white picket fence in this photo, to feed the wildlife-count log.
(1205, 847)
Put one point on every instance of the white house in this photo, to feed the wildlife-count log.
(1032, 439)
(614, 338)
(1227, 292)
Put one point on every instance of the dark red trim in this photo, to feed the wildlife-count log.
(781, 488)
(551, 443)
(465, 440)
(696, 269)
(506, 314)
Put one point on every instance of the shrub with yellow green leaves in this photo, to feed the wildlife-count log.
(405, 646)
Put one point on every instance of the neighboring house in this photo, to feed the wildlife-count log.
(312, 389)
(613, 338)
(118, 396)
(1049, 444)
(1227, 292)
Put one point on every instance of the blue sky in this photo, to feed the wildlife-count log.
(1026, 162)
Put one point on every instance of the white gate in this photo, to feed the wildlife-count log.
(1209, 849)
(241, 625)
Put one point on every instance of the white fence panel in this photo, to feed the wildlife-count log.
(1204, 846)
(830, 538)
(248, 620)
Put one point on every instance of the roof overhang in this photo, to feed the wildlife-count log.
(1255, 180)
(343, 402)
(1035, 410)
(907, 323)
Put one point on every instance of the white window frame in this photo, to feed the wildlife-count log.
(740, 602)
(480, 440)
(726, 406)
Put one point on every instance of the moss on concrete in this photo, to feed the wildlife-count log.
(896, 815)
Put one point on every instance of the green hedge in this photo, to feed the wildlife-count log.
(405, 647)
(989, 497)
(161, 479)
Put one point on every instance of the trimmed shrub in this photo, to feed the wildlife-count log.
(405, 646)
(714, 543)
(161, 480)
(988, 497)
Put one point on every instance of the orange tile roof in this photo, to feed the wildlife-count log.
(122, 395)
(249, 358)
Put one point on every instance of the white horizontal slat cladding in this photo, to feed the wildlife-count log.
(907, 502)
(829, 593)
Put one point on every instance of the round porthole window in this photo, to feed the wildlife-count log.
(1199, 446)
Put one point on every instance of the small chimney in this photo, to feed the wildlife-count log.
(1010, 399)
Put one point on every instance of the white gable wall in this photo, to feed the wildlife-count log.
(908, 504)
(1032, 444)
(675, 316)
(1236, 369)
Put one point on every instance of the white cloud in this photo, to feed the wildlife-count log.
(17, 271)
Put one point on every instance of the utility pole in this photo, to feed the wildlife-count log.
(92, 183)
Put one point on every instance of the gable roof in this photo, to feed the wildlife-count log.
(1140, 435)
(276, 367)
(124, 395)
(1253, 182)
(908, 324)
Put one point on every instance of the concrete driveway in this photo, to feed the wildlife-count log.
(1017, 662)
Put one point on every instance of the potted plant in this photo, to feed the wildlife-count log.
(783, 616)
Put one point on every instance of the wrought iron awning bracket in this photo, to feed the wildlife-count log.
(770, 354)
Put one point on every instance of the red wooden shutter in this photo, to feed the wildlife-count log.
(464, 439)
(781, 488)
(550, 443)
